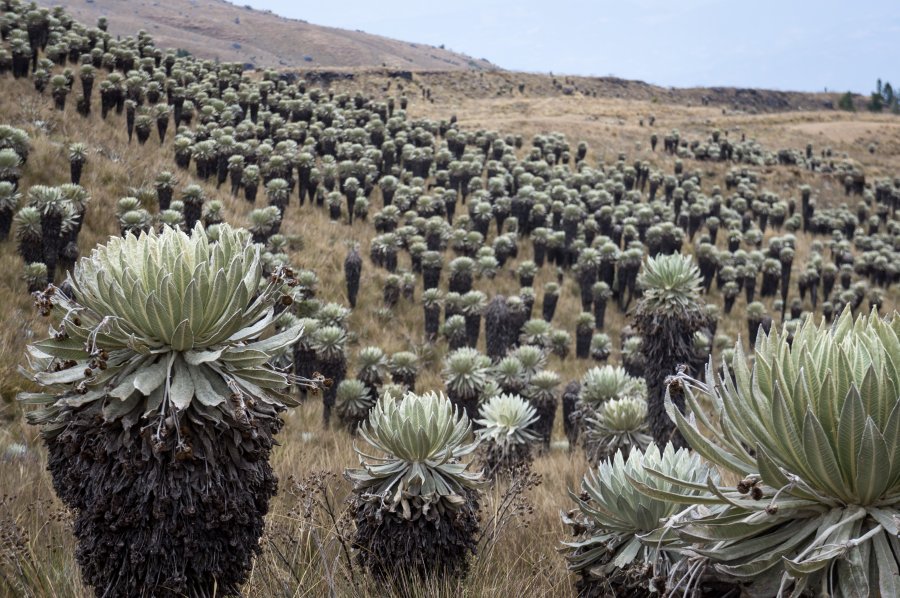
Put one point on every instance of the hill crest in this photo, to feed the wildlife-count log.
(221, 30)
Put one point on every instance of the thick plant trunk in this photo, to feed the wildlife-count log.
(51, 236)
(540, 254)
(399, 550)
(431, 277)
(667, 345)
(157, 518)
(352, 272)
(583, 342)
(250, 191)
(456, 341)
(6, 217)
(498, 329)
(31, 249)
(305, 364)
(236, 178)
(570, 397)
(161, 127)
(599, 314)
(548, 308)
(183, 159)
(335, 371)
(75, 168)
(192, 214)
(432, 322)
(546, 412)
(460, 283)
(473, 329)
(164, 197)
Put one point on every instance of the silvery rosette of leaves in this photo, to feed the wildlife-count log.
(600, 384)
(164, 322)
(617, 424)
(671, 282)
(812, 431)
(619, 527)
(353, 399)
(506, 421)
(422, 439)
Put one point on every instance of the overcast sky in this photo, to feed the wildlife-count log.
(785, 44)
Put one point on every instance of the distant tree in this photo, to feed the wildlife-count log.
(888, 94)
(883, 98)
(846, 102)
(890, 99)
(876, 101)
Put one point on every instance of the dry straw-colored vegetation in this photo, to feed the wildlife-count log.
(305, 545)
(300, 554)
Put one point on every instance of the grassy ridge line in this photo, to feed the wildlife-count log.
(230, 32)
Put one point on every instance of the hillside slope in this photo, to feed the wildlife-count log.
(453, 87)
(508, 128)
(231, 33)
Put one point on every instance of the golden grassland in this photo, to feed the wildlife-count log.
(302, 554)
